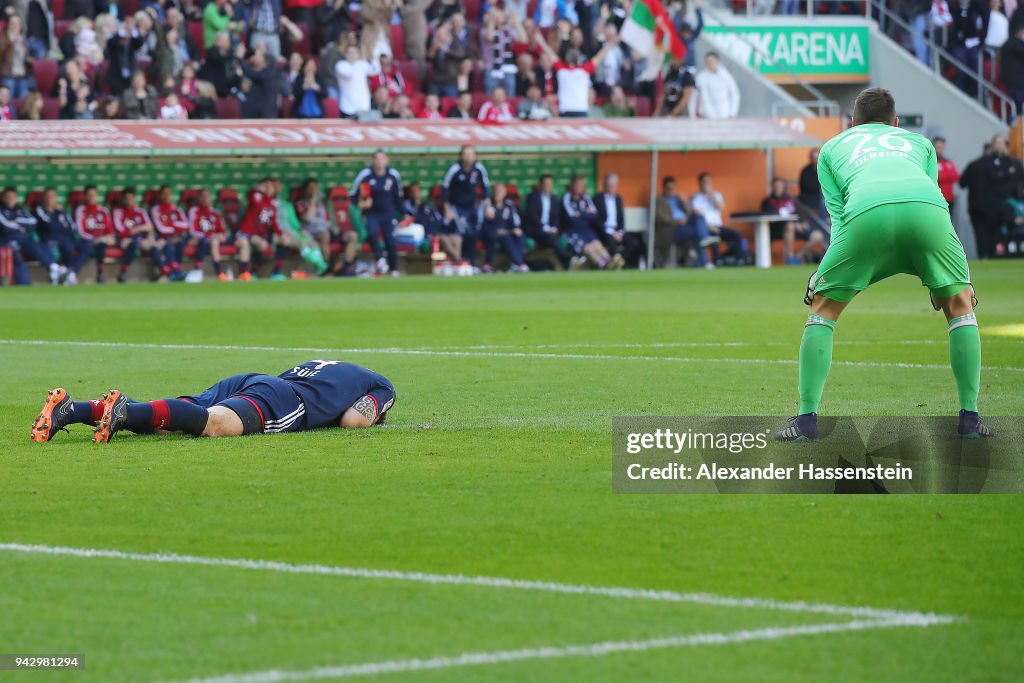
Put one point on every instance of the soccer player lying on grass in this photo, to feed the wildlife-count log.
(312, 395)
(888, 217)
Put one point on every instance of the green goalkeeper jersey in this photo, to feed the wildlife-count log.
(874, 164)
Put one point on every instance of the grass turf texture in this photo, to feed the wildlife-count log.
(512, 478)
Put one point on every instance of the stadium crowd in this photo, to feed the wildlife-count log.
(466, 218)
(173, 59)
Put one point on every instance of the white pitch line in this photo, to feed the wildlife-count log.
(542, 653)
(486, 581)
(386, 351)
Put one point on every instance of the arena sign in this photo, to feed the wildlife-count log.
(333, 137)
(818, 53)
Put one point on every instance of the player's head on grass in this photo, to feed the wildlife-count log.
(875, 105)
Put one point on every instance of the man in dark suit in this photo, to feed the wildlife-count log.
(541, 219)
(611, 220)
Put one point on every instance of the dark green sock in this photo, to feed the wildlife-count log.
(815, 361)
(965, 359)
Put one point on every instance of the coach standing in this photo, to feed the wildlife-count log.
(990, 180)
(377, 191)
(462, 189)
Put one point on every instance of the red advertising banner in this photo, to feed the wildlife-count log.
(320, 137)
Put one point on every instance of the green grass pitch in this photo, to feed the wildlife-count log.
(496, 463)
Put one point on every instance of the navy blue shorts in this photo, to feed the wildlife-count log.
(579, 238)
(264, 403)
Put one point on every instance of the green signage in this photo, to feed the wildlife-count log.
(820, 54)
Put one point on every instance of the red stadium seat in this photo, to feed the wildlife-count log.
(75, 197)
(228, 108)
(231, 206)
(643, 106)
(478, 100)
(286, 107)
(150, 197)
(196, 29)
(45, 72)
(411, 73)
(295, 194)
(58, 8)
(189, 197)
(129, 7)
(472, 9)
(60, 27)
(331, 108)
(34, 199)
(339, 201)
(397, 42)
(113, 198)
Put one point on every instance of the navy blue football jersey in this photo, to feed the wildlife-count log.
(329, 387)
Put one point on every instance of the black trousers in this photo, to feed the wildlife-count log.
(986, 226)
(632, 247)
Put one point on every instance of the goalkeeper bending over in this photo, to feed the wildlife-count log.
(888, 217)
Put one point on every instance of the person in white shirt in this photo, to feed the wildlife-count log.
(574, 77)
(353, 81)
(998, 26)
(496, 109)
(709, 203)
(718, 96)
(172, 109)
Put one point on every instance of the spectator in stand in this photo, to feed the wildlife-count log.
(918, 16)
(414, 28)
(133, 231)
(675, 223)
(464, 184)
(333, 20)
(533, 107)
(997, 27)
(616, 69)
(709, 203)
(222, 67)
(263, 94)
(86, 44)
(375, 16)
(172, 110)
(965, 38)
(207, 232)
(353, 81)
(810, 188)
(718, 96)
(688, 34)
(441, 11)
(59, 235)
(462, 109)
(948, 173)
(32, 107)
(611, 219)
(574, 78)
(218, 16)
(292, 71)
(95, 228)
(500, 30)
(314, 219)
(549, 12)
(180, 40)
(308, 93)
(446, 54)
(198, 98)
(527, 73)
(39, 35)
(85, 105)
(1012, 66)
(401, 108)
(7, 111)
(496, 110)
(990, 181)
(15, 59)
(329, 58)
(542, 218)
(70, 89)
(83, 8)
(579, 225)
(501, 225)
(780, 203)
(139, 100)
(121, 49)
(172, 227)
(389, 77)
(265, 27)
(377, 191)
(466, 77)
(617, 106)
(575, 39)
(461, 31)
(431, 108)
(380, 102)
(17, 227)
(593, 111)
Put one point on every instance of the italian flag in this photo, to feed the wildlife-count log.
(649, 31)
